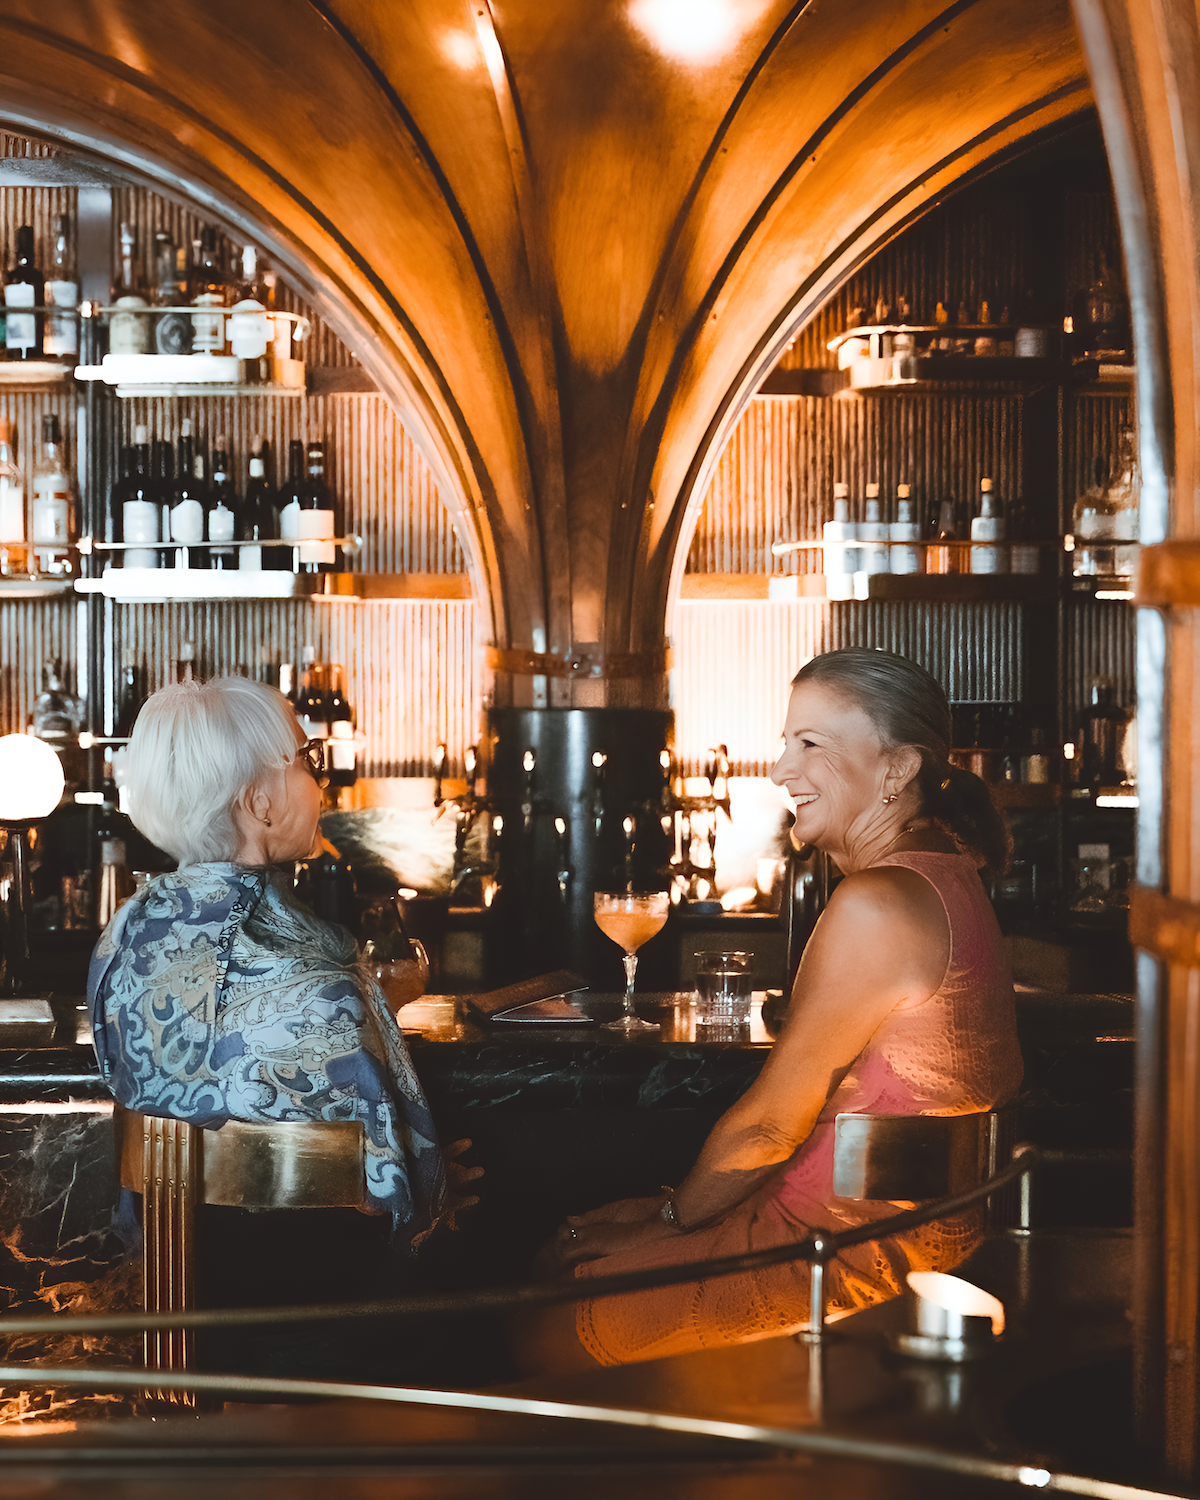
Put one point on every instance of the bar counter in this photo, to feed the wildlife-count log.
(562, 1118)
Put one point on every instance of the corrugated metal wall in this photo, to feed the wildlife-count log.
(413, 670)
(774, 481)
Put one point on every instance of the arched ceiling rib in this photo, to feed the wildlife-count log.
(565, 252)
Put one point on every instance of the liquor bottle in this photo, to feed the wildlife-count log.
(342, 751)
(1100, 737)
(128, 330)
(260, 520)
(839, 572)
(14, 555)
(187, 502)
(53, 508)
(313, 707)
(1024, 556)
(289, 502)
(872, 558)
(249, 327)
(173, 330)
(162, 471)
(210, 290)
(57, 714)
(1106, 313)
(131, 695)
(1091, 522)
(114, 511)
(185, 664)
(318, 524)
(222, 510)
(23, 287)
(141, 517)
(942, 557)
(988, 554)
(62, 290)
(1124, 494)
(905, 532)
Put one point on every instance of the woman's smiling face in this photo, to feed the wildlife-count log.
(834, 767)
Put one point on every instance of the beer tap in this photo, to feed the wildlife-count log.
(599, 762)
(564, 861)
(528, 765)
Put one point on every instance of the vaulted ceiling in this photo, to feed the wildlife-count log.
(566, 236)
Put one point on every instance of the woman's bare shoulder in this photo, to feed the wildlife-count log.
(884, 894)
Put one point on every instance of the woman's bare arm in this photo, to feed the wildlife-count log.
(882, 941)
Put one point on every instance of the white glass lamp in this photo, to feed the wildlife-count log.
(31, 787)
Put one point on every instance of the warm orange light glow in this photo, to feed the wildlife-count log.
(690, 30)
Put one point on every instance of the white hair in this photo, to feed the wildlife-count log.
(195, 749)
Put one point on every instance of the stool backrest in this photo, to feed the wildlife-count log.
(292, 1164)
(913, 1158)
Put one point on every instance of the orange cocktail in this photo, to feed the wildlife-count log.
(631, 919)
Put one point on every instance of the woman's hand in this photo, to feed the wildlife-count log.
(623, 1211)
(576, 1241)
(457, 1177)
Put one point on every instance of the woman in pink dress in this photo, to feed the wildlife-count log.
(903, 1005)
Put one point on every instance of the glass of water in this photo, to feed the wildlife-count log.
(723, 983)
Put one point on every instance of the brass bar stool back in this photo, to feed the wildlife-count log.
(174, 1166)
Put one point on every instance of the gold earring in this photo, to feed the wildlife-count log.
(887, 801)
(267, 822)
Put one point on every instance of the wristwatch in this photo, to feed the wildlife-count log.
(668, 1212)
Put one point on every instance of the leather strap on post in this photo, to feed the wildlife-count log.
(578, 664)
(1165, 926)
(1169, 574)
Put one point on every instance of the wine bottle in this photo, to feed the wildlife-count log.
(260, 520)
(162, 472)
(24, 287)
(988, 528)
(141, 519)
(53, 508)
(130, 695)
(121, 491)
(14, 556)
(249, 326)
(342, 751)
(128, 330)
(317, 520)
(289, 503)
(187, 502)
(222, 510)
(62, 290)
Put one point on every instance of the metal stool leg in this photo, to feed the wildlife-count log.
(816, 1335)
(169, 1163)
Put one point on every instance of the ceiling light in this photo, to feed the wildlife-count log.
(691, 30)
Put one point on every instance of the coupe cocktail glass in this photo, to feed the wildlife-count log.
(630, 920)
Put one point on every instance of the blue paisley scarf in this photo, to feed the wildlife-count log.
(214, 996)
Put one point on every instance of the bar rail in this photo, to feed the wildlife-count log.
(819, 1248)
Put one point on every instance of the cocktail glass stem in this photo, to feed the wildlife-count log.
(630, 961)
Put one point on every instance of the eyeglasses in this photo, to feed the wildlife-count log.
(312, 753)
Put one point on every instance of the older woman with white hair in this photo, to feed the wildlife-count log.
(214, 995)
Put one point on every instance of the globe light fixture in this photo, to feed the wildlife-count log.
(31, 787)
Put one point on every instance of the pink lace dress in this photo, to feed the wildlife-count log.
(955, 1052)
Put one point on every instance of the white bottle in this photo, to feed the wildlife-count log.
(53, 502)
(906, 534)
(839, 575)
(249, 327)
(872, 559)
(141, 520)
(62, 290)
(187, 513)
(988, 528)
(13, 557)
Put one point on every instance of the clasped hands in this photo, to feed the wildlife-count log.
(624, 1225)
